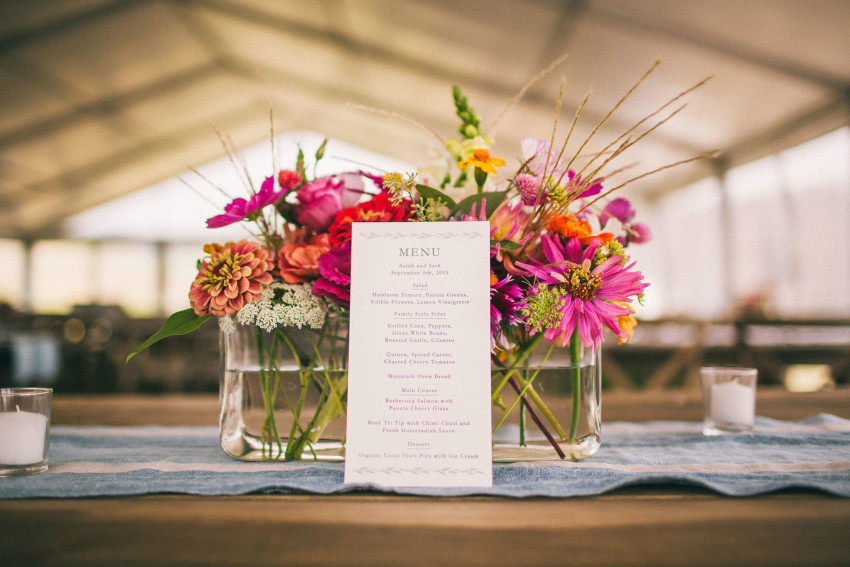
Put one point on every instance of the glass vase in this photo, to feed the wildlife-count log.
(283, 396)
(282, 392)
(547, 403)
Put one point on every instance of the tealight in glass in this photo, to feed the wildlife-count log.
(729, 399)
(24, 430)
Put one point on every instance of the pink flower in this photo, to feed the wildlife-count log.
(590, 298)
(378, 180)
(508, 222)
(528, 186)
(335, 279)
(231, 277)
(239, 208)
(538, 155)
(590, 189)
(505, 306)
(319, 201)
(619, 208)
(298, 262)
(639, 233)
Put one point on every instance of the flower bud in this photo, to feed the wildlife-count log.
(321, 151)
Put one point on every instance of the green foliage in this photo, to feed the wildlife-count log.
(493, 200)
(507, 245)
(179, 323)
(427, 192)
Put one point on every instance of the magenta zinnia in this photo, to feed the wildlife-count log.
(586, 298)
(231, 276)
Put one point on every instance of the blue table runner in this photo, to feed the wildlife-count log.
(120, 461)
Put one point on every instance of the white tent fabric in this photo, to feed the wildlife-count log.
(101, 98)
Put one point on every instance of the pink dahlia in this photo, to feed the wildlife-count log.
(589, 298)
(231, 277)
(240, 209)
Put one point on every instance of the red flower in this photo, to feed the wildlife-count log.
(288, 179)
(379, 209)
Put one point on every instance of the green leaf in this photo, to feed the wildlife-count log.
(505, 244)
(493, 201)
(427, 192)
(179, 323)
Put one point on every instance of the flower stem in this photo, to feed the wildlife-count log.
(316, 370)
(575, 352)
(511, 368)
(536, 419)
(269, 436)
(480, 178)
(522, 425)
(528, 389)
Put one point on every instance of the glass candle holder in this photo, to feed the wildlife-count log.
(729, 399)
(24, 430)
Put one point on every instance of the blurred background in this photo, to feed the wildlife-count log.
(107, 107)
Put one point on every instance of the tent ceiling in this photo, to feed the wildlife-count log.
(100, 98)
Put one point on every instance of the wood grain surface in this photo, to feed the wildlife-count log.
(664, 525)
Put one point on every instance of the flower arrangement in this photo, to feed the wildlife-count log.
(560, 273)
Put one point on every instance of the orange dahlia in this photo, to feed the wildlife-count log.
(231, 276)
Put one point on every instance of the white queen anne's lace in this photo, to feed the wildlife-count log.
(226, 324)
(283, 305)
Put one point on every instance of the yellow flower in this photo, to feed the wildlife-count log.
(481, 159)
(626, 323)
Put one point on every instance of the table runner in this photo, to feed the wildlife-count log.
(120, 461)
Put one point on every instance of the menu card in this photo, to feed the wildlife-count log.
(419, 355)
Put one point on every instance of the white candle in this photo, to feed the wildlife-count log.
(22, 435)
(732, 403)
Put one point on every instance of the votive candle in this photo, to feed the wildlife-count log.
(729, 399)
(733, 403)
(22, 437)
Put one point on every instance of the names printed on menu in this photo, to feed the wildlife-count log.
(418, 399)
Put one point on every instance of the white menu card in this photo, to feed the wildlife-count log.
(419, 355)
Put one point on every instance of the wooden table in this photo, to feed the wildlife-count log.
(658, 526)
